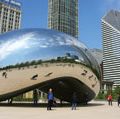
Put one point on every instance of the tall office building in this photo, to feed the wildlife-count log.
(63, 16)
(111, 46)
(10, 15)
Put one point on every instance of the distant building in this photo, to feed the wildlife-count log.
(111, 46)
(98, 54)
(107, 86)
(63, 16)
(10, 15)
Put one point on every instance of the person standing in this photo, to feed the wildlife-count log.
(86, 98)
(74, 101)
(50, 99)
(118, 100)
(109, 98)
(10, 101)
(35, 96)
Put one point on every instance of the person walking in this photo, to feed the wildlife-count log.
(118, 100)
(109, 98)
(74, 101)
(50, 99)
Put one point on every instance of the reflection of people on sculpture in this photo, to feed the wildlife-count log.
(94, 84)
(90, 76)
(4, 74)
(35, 96)
(34, 77)
(50, 99)
(83, 74)
(48, 74)
(85, 71)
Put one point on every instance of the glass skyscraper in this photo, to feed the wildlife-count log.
(111, 46)
(63, 16)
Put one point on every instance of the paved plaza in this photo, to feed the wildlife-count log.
(94, 110)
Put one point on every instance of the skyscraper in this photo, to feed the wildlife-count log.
(63, 16)
(111, 46)
(10, 15)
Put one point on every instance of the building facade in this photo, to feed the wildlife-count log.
(107, 86)
(111, 46)
(63, 16)
(10, 15)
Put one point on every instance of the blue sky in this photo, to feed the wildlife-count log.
(35, 13)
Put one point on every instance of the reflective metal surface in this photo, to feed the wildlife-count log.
(32, 47)
(35, 44)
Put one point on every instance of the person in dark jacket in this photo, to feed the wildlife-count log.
(74, 101)
(50, 99)
(35, 96)
(118, 100)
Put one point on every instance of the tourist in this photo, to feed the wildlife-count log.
(35, 96)
(10, 101)
(86, 98)
(50, 99)
(74, 101)
(118, 100)
(109, 98)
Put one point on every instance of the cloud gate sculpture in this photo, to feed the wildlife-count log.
(40, 58)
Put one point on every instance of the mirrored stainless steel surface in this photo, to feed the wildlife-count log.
(42, 47)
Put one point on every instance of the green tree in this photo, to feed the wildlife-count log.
(117, 90)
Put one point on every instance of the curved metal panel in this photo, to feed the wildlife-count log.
(40, 47)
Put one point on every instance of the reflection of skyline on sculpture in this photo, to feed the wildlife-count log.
(31, 41)
(30, 52)
(40, 44)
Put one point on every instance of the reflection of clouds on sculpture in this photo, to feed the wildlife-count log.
(29, 40)
(54, 40)
(34, 44)
(13, 45)
(61, 60)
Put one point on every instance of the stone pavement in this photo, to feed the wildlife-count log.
(94, 110)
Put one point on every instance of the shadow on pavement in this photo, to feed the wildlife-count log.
(44, 105)
(93, 104)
